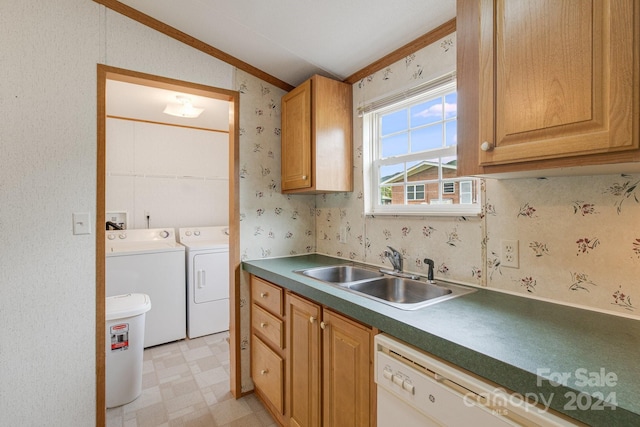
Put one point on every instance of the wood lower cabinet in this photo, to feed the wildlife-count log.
(310, 365)
(347, 372)
(268, 347)
(303, 332)
(331, 367)
(547, 84)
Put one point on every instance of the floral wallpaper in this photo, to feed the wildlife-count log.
(578, 237)
(271, 224)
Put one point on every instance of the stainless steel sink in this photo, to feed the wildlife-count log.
(399, 292)
(408, 294)
(340, 274)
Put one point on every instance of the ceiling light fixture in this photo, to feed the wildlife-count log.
(183, 108)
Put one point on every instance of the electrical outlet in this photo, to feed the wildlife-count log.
(509, 253)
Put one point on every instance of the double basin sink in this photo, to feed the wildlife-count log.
(399, 292)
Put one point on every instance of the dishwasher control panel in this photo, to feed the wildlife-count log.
(417, 389)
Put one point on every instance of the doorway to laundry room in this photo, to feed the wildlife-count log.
(167, 161)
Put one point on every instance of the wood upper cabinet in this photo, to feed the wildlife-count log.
(547, 84)
(316, 134)
(331, 367)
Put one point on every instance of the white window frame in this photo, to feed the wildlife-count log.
(372, 162)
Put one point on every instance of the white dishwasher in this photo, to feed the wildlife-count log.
(417, 390)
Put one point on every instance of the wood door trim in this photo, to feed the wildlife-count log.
(105, 73)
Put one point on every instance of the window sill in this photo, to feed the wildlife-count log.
(475, 212)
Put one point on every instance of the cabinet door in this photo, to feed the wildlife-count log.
(552, 79)
(347, 370)
(303, 339)
(296, 138)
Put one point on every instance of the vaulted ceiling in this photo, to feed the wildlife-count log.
(294, 39)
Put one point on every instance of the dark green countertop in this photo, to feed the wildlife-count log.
(504, 338)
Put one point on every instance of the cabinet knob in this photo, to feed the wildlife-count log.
(264, 294)
(324, 325)
(304, 176)
(264, 372)
(486, 146)
(312, 319)
(263, 324)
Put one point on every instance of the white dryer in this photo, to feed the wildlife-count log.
(150, 261)
(207, 265)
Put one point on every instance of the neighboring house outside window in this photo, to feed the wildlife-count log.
(411, 147)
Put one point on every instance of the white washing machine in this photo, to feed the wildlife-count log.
(150, 261)
(207, 263)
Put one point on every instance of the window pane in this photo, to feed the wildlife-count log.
(397, 195)
(395, 145)
(449, 167)
(452, 134)
(426, 112)
(419, 192)
(413, 171)
(385, 195)
(392, 174)
(394, 122)
(451, 105)
(423, 170)
(426, 138)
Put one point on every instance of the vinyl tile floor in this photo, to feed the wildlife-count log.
(186, 384)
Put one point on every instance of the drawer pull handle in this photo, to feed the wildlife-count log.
(264, 372)
(312, 319)
(486, 146)
(324, 325)
(263, 324)
(264, 294)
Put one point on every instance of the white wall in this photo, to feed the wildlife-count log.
(47, 171)
(176, 175)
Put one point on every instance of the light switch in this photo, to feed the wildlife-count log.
(81, 223)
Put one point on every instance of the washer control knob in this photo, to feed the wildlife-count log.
(164, 234)
(187, 233)
(197, 233)
(111, 236)
(122, 236)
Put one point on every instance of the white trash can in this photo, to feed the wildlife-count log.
(125, 316)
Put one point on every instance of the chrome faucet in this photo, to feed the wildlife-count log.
(396, 259)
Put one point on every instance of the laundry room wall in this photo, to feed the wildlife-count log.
(48, 171)
(178, 176)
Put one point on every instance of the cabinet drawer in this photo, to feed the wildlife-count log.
(267, 372)
(268, 325)
(267, 295)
